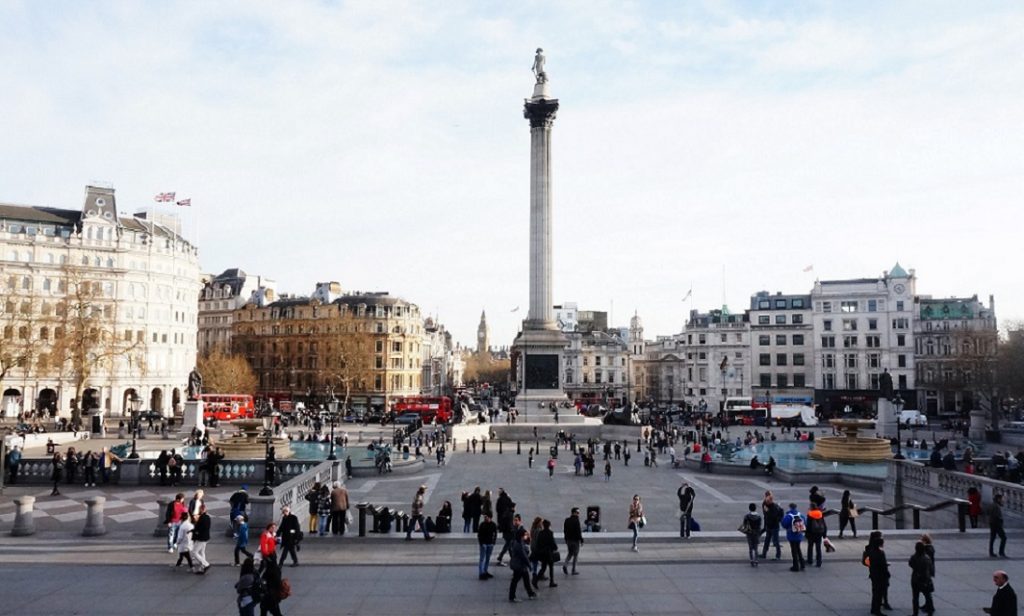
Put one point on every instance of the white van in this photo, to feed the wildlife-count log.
(913, 418)
(788, 412)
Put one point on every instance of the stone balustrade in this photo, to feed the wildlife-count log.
(291, 493)
(916, 483)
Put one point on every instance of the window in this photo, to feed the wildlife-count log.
(827, 323)
(798, 319)
(872, 324)
(798, 339)
(851, 381)
(780, 359)
(764, 340)
(826, 306)
(724, 337)
(848, 306)
(849, 325)
(799, 380)
(597, 360)
(901, 361)
(901, 340)
(782, 380)
(902, 381)
(780, 319)
(797, 302)
(873, 342)
(764, 359)
(701, 339)
(798, 359)
(764, 319)
(874, 384)
(766, 380)
(874, 360)
(764, 304)
(899, 305)
(780, 339)
(828, 381)
(872, 305)
(780, 303)
(901, 323)
(849, 342)
(828, 342)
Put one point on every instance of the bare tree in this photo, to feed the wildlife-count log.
(85, 341)
(226, 374)
(345, 357)
(1010, 363)
(483, 368)
(19, 336)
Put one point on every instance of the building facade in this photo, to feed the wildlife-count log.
(597, 368)
(782, 349)
(717, 346)
(142, 279)
(442, 363)
(220, 297)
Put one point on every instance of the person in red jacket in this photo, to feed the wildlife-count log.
(268, 543)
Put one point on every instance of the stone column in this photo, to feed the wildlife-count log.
(541, 112)
(24, 523)
(94, 526)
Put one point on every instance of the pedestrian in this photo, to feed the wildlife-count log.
(573, 535)
(339, 508)
(636, 519)
(417, 515)
(815, 534)
(529, 459)
(472, 503)
(107, 462)
(486, 505)
(268, 543)
(1004, 602)
(56, 472)
(241, 538)
(772, 513)
(487, 536)
(626, 456)
(249, 588)
(172, 518)
(751, 529)
(519, 562)
(239, 502)
(847, 514)
(196, 503)
(921, 578)
(686, 496)
(71, 462)
(323, 511)
(274, 589)
(974, 507)
(291, 534)
(547, 549)
(551, 467)
(795, 527)
(995, 526)
(878, 571)
(508, 524)
(313, 497)
(817, 497)
(608, 470)
(184, 540)
(201, 537)
(577, 463)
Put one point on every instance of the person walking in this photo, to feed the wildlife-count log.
(686, 496)
(636, 519)
(772, 513)
(487, 536)
(57, 472)
(508, 523)
(1004, 602)
(201, 537)
(184, 541)
(878, 572)
(974, 507)
(241, 538)
(472, 503)
(519, 562)
(547, 548)
(249, 588)
(751, 528)
(323, 511)
(291, 534)
(795, 527)
(816, 531)
(573, 535)
(921, 578)
(847, 514)
(273, 585)
(995, 526)
(417, 515)
(339, 508)
(196, 502)
(551, 467)
(268, 543)
(13, 461)
(607, 470)
(172, 518)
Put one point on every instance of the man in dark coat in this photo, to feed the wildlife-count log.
(573, 540)
(290, 533)
(1004, 602)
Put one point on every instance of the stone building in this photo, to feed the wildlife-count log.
(597, 368)
(144, 278)
(483, 335)
(717, 347)
(220, 297)
(290, 345)
(782, 349)
(442, 363)
(955, 344)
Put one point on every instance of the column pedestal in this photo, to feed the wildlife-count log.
(192, 417)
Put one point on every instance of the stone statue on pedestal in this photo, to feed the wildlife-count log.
(195, 384)
(538, 66)
(885, 384)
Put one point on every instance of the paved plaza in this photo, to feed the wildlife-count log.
(127, 571)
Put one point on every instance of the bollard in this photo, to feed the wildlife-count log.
(362, 518)
(94, 517)
(161, 529)
(536, 447)
(638, 445)
(519, 448)
(961, 516)
(917, 518)
(499, 446)
(24, 523)
(467, 445)
(483, 446)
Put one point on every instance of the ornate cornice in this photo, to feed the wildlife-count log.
(541, 113)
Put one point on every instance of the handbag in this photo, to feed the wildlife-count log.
(556, 556)
(852, 511)
(744, 528)
(643, 521)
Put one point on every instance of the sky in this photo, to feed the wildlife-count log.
(722, 147)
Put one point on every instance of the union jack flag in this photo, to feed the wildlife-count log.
(166, 197)
(185, 202)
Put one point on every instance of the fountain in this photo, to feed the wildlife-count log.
(852, 447)
(249, 443)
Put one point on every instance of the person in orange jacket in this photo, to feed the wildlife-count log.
(815, 535)
(268, 543)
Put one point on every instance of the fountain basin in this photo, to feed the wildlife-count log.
(851, 447)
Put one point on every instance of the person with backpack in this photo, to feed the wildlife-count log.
(816, 531)
(751, 528)
(921, 578)
(772, 513)
(249, 588)
(795, 527)
(239, 502)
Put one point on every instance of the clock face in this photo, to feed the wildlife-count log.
(899, 289)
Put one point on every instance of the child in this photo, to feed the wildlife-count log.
(607, 471)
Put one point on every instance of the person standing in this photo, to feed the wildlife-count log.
(290, 533)
(487, 536)
(268, 543)
(71, 462)
(1004, 602)
(816, 531)
(636, 519)
(921, 578)
(196, 503)
(772, 513)
(417, 515)
(974, 507)
(107, 461)
(607, 470)
(239, 502)
(313, 498)
(995, 526)
(472, 505)
(184, 540)
(173, 518)
(546, 547)
(13, 460)
(57, 472)
(201, 537)
(519, 562)
(339, 508)
(241, 538)
(847, 514)
(508, 523)
(247, 589)
(686, 496)
(751, 528)
(878, 572)
(795, 527)
(573, 540)
(817, 497)
(551, 467)
(323, 511)
(89, 462)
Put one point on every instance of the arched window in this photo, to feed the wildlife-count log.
(47, 284)
(26, 283)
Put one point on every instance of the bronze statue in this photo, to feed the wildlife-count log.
(538, 66)
(885, 384)
(195, 384)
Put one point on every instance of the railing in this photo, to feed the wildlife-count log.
(36, 471)
(915, 510)
(266, 509)
(955, 484)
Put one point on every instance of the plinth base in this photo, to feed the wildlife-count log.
(192, 417)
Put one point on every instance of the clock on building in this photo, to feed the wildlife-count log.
(899, 289)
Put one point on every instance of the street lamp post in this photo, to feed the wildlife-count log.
(135, 403)
(268, 430)
(332, 410)
(897, 405)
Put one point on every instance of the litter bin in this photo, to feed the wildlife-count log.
(97, 423)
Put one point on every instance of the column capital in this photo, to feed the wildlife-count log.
(540, 112)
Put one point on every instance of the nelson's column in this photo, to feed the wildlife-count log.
(540, 343)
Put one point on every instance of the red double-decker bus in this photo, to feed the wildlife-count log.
(225, 407)
(429, 407)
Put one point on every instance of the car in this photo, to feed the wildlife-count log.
(411, 421)
(913, 418)
(147, 415)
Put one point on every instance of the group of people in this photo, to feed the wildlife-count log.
(328, 509)
(64, 467)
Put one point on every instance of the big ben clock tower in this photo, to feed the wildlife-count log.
(482, 335)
